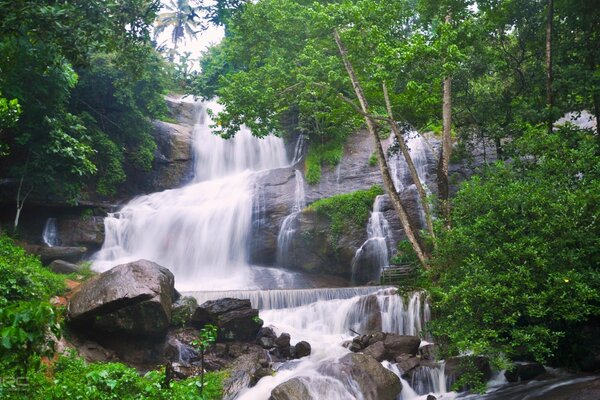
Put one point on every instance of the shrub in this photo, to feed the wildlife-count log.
(72, 378)
(518, 272)
(23, 276)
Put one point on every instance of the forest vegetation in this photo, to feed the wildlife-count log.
(511, 259)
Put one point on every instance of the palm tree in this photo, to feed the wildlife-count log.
(181, 17)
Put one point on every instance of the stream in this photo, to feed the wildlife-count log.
(202, 233)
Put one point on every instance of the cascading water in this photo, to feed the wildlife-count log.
(285, 250)
(420, 153)
(200, 231)
(50, 233)
(375, 248)
(299, 149)
(327, 322)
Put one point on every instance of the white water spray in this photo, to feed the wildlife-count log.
(285, 250)
(50, 233)
(201, 231)
(375, 248)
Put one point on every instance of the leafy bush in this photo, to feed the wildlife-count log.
(72, 378)
(349, 208)
(518, 272)
(330, 154)
(23, 276)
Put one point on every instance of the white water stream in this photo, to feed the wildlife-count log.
(200, 231)
(50, 233)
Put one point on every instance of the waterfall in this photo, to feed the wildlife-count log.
(326, 320)
(285, 249)
(201, 231)
(375, 248)
(276, 299)
(50, 233)
(419, 153)
(299, 149)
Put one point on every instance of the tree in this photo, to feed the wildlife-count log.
(41, 47)
(180, 17)
(517, 274)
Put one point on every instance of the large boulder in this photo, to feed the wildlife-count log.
(235, 318)
(81, 231)
(182, 310)
(524, 371)
(133, 298)
(374, 381)
(294, 389)
(401, 344)
(386, 346)
(63, 267)
(48, 254)
(245, 371)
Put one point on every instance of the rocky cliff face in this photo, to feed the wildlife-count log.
(313, 247)
(173, 158)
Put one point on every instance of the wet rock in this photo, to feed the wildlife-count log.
(266, 338)
(63, 267)
(133, 298)
(182, 311)
(294, 389)
(431, 397)
(49, 254)
(585, 390)
(235, 318)
(376, 337)
(244, 372)
(283, 340)
(524, 371)
(316, 252)
(370, 314)
(407, 363)
(302, 349)
(81, 231)
(377, 351)
(355, 346)
(401, 344)
(428, 352)
(375, 381)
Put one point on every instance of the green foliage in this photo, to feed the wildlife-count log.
(349, 209)
(48, 51)
(26, 318)
(318, 154)
(25, 329)
(517, 273)
(72, 378)
(373, 160)
(206, 337)
(23, 276)
(406, 255)
(471, 377)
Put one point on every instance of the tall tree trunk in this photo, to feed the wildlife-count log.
(409, 162)
(410, 232)
(443, 185)
(549, 73)
(21, 200)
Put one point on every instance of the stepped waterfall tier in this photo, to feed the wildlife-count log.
(202, 233)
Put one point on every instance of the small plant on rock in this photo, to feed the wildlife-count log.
(206, 337)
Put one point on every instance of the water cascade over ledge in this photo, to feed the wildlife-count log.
(199, 231)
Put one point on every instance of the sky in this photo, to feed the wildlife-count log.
(196, 45)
